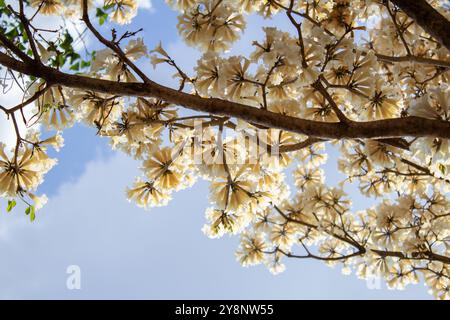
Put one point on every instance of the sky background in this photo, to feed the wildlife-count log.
(126, 252)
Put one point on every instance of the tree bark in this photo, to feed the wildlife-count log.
(428, 18)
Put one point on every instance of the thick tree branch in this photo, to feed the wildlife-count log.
(388, 128)
(428, 18)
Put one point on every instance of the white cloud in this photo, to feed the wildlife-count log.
(145, 4)
(13, 97)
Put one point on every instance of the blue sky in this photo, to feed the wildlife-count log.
(126, 252)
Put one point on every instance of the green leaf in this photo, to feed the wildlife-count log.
(98, 12)
(75, 67)
(73, 56)
(101, 15)
(32, 214)
(60, 60)
(85, 64)
(11, 205)
(12, 34)
(31, 211)
(67, 42)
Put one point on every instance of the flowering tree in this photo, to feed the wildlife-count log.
(369, 77)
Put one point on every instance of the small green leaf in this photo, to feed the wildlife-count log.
(85, 64)
(66, 44)
(75, 67)
(32, 214)
(101, 15)
(60, 60)
(11, 205)
(31, 211)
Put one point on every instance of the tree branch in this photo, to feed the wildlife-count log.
(428, 18)
(419, 255)
(26, 26)
(110, 44)
(422, 60)
(341, 116)
(388, 128)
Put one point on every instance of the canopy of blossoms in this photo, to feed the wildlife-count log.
(368, 77)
